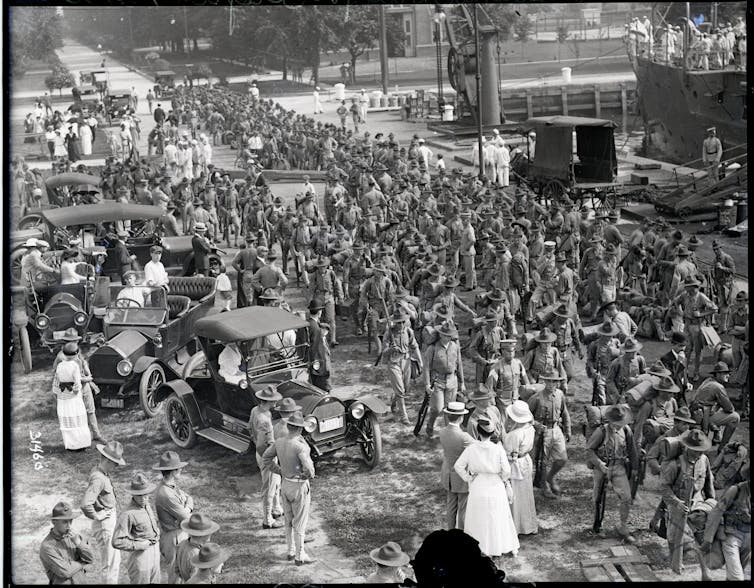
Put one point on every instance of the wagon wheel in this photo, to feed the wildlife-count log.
(179, 423)
(553, 191)
(371, 448)
(25, 348)
(152, 378)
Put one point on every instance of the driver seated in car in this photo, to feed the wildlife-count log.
(231, 362)
(131, 291)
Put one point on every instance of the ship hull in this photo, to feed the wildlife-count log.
(678, 107)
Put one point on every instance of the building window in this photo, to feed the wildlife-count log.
(407, 25)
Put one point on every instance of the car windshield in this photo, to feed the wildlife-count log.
(136, 305)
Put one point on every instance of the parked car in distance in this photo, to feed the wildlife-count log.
(272, 345)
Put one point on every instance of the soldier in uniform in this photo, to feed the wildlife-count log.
(686, 482)
(682, 421)
(712, 406)
(506, 376)
(173, 506)
(566, 338)
(623, 371)
(262, 436)
(544, 292)
(373, 300)
(354, 274)
(599, 357)
(269, 275)
(484, 408)
(199, 529)
(712, 153)
(99, 505)
(722, 273)
(551, 419)
(613, 455)
(656, 414)
(400, 348)
(439, 238)
(443, 373)
(733, 514)
(450, 299)
(485, 346)
(467, 251)
(696, 308)
(65, 553)
(294, 464)
(544, 357)
(300, 246)
(244, 261)
(325, 284)
(739, 317)
(138, 533)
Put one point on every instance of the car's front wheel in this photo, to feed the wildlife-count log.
(152, 378)
(371, 447)
(178, 422)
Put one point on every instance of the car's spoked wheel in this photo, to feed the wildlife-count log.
(152, 378)
(371, 448)
(179, 423)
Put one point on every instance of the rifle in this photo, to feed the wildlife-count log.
(599, 506)
(539, 460)
(422, 414)
(637, 476)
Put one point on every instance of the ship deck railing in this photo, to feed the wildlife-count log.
(692, 177)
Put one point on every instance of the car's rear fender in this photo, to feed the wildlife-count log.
(372, 402)
(185, 393)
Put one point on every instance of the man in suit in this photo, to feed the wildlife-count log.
(675, 361)
(122, 255)
(201, 248)
(159, 114)
(454, 440)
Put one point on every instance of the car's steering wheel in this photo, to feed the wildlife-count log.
(126, 302)
(46, 278)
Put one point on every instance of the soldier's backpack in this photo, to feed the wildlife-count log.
(595, 417)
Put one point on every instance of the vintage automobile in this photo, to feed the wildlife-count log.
(51, 309)
(273, 345)
(90, 223)
(164, 84)
(148, 341)
(116, 103)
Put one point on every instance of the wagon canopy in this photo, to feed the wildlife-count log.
(86, 214)
(247, 323)
(595, 148)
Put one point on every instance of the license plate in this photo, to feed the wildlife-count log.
(112, 402)
(331, 424)
(58, 335)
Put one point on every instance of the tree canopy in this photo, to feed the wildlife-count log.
(35, 33)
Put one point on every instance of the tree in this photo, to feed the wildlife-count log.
(160, 64)
(200, 71)
(522, 30)
(562, 33)
(60, 78)
(35, 33)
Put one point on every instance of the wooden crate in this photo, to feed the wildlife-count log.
(625, 564)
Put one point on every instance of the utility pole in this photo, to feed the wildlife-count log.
(185, 30)
(478, 93)
(383, 49)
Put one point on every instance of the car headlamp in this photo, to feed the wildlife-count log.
(357, 410)
(157, 340)
(42, 321)
(316, 365)
(124, 367)
(243, 384)
(310, 424)
(79, 319)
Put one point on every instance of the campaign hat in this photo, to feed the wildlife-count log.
(169, 460)
(199, 525)
(113, 451)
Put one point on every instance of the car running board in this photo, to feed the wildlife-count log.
(232, 442)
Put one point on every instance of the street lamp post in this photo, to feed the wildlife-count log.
(478, 93)
(439, 18)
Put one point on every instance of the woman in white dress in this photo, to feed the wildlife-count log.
(85, 137)
(484, 466)
(518, 443)
(66, 385)
(61, 150)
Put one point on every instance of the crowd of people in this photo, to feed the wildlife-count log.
(391, 248)
(717, 49)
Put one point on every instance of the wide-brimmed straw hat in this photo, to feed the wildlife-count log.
(455, 408)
